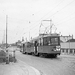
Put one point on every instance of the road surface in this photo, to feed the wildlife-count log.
(62, 65)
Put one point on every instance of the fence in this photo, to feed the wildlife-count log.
(7, 56)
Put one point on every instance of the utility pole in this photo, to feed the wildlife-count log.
(7, 54)
(6, 29)
(3, 41)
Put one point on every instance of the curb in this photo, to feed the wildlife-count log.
(36, 71)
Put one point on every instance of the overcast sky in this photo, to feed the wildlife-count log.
(25, 17)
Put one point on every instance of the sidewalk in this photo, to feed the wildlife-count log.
(18, 68)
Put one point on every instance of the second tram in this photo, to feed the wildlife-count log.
(43, 45)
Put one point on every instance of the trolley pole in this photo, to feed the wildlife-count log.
(7, 55)
(50, 25)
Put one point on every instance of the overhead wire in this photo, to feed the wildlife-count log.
(61, 22)
(52, 10)
(61, 9)
(66, 20)
(65, 17)
(47, 13)
(54, 13)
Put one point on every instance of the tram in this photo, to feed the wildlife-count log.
(43, 45)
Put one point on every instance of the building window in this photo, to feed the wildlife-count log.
(66, 50)
(74, 50)
(63, 50)
(71, 50)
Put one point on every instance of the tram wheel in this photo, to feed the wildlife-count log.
(33, 53)
(40, 54)
(55, 56)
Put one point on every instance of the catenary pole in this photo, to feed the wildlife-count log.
(6, 29)
(7, 55)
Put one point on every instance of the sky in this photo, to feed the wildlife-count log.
(27, 18)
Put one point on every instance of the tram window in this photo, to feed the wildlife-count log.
(41, 41)
(62, 50)
(54, 40)
(74, 50)
(66, 50)
(46, 41)
(32, 44)
(70, 50)
(28, 44)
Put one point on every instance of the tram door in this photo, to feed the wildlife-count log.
(23, 48)
(35, 45)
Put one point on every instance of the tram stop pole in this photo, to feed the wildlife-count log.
(7, 54)
(7, 57)
(14, 56)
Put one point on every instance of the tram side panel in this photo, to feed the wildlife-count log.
(28, 49)
(48, 50)
(32, 49)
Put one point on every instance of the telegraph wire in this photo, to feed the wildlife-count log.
(56, 12)
(56, 24)
(48, 12)
(52, 9)
(66, 17)
(37, 25)
(61, 9)
(66, 20)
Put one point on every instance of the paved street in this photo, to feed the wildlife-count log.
(62, 65)
(16, 68)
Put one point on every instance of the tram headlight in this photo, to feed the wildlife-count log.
(57, 48)
(54, 48)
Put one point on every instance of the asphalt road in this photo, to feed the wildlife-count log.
(62, 65)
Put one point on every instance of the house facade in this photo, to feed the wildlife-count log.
(66, 38)
(67, 45)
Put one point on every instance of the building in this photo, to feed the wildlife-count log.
(68, 47)
(66, 38)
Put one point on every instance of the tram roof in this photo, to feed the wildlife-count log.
(44, 35)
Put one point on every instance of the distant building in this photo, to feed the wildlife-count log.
(66, 38)
(18, 43)
(71, 40)
(68, 47)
